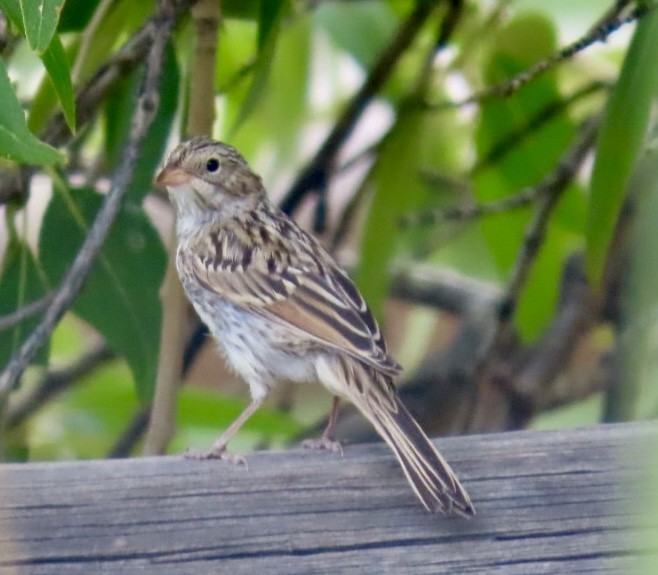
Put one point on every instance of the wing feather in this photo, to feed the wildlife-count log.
(311, 296)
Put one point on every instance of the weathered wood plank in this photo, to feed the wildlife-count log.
(553, 502)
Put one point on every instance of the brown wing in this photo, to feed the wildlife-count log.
(311, 296)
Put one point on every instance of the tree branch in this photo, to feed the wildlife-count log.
(417, 94)
(57, 380)
(548, 192)
(28, 310)
(318, 171)
(87, 39)
(446, 290)
(523, 198)
(612, 21)
(143, 116)
(93, 93)
(499, 149)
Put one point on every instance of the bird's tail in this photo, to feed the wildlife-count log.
(428, 473)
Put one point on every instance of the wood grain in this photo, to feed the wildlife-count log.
(547, 502)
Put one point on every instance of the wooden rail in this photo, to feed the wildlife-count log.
(547, 502)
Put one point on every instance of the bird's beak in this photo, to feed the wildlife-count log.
(173, 177)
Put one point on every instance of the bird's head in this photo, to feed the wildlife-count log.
(204, 176)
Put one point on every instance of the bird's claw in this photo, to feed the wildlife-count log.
(216, 453)
(323, 443)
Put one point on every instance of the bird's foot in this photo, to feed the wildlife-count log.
(216, 453)
(323, 443)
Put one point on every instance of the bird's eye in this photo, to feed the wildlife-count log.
(212, 165)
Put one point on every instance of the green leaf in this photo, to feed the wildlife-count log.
(269, 19)
(21, 282)
(363, 29)
(636, 394)
(119, 21)
(410, 148)
(621, 136)
(398, 190)
(241, 9)
(284, 108)
(237, 48)
(16, 141)
(84, 422)
(40, 19)
(57, 65)
(12, 9)
(525, 40)
(120, 297)
(269, 24)
(76, 14)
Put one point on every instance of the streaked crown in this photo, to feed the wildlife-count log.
(204, 160)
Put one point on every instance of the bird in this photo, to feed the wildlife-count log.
(282, 309)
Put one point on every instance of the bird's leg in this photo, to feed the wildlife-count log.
(218, 450)
(328, 439)
(329, 433)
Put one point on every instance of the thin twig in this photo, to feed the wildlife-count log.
(613, 12)
(28, 310)
(90, 97)
(578, 309)
(503, 146)
(56, 381)
(449, 23)
(142, 117)
(520, 200)
(444, 31)
(417, 94)
(471, 211)
(548, 193)
(316, 174)
(133, 433)
(612, 21)
(88, 38)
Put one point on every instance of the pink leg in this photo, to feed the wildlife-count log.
(328, 439)
(218, 450)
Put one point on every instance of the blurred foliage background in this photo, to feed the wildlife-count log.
(485, 169)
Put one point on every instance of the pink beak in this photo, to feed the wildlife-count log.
(172, 177)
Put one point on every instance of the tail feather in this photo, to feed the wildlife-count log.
(429, 475)
(373, 393)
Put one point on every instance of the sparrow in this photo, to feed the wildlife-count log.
(281, 309)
